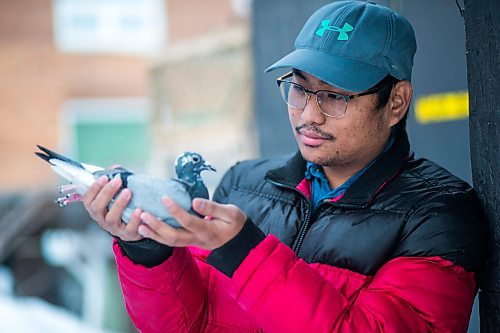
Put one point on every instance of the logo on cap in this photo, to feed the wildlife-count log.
(325, 25)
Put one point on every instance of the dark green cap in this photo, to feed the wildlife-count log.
(353, 45)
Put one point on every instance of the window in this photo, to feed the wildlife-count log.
(109, 26)
(104, 132)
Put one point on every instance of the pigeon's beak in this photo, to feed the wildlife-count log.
(207, 166)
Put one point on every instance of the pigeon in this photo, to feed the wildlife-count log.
(146, 190)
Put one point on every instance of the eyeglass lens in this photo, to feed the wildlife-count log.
(330, 104)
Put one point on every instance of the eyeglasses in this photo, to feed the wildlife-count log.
(330, 103)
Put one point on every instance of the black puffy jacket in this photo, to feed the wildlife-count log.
(400, 206)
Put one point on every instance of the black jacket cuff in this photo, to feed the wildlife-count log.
(146, 252)
(229, 256)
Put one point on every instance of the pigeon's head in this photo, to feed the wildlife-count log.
(189, 165)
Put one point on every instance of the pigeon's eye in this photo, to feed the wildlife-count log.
(196, 159)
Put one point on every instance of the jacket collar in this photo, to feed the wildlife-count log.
(364, 189)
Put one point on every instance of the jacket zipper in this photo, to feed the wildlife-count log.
(302, 233)
(304, 228)
(305, 225)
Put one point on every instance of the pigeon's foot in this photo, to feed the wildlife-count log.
(69, 199)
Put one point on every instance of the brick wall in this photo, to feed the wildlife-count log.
(36, 78)
(188, 19)
(30, 82)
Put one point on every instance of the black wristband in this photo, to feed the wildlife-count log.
(229, 256)
(146, 252)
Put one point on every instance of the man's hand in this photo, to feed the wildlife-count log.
(223, 224)
(96, 201)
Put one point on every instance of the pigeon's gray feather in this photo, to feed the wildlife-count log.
(147, 192)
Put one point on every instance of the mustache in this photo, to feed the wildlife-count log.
(316, 130)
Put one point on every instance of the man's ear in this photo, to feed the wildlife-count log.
(399, 102)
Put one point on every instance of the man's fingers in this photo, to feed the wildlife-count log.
(226, 223)
(105, 195)
(93, 191)
(135, 221)
(216, 210)
(116, 210)
(185, 219)
(129, 231)
(164, 233)
(151, 221)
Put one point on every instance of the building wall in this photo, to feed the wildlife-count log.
(37, 79)
(193, 18)
(29, 80)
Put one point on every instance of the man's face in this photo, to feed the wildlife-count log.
(349, 142)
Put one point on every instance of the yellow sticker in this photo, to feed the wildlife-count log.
(442, 107)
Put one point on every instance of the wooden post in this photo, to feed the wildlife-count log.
(482, 28)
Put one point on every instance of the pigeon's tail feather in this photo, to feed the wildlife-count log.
(50, 155)
(43, 157)
(78, 176)
(78, 173)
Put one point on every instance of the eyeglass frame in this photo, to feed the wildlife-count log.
(346, 98)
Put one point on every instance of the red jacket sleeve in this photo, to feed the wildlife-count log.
(169, 297)
(183, 294)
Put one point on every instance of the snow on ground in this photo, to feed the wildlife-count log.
(33, 315)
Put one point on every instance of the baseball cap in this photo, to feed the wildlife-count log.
(353, 45)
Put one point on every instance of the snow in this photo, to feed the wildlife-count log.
(32, 315)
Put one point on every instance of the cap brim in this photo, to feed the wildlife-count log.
(344, 73)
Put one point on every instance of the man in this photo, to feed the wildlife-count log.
(351, 234)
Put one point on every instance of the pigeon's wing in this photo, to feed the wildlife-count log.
(112, 173)
(147, 192)
(91, 168)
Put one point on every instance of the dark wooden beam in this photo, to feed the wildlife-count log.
(482, 27)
